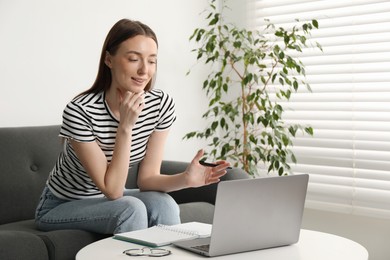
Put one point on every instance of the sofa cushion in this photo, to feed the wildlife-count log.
(60, 244)
(197, 211)
(21, 245)
(27, 155)
(24, 225)
(64, 244)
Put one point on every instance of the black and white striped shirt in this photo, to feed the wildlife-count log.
(88, 118)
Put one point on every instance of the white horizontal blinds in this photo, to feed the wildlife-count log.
(348, 158)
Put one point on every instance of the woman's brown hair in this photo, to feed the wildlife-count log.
(120, 32)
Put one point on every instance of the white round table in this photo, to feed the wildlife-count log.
(311, 245)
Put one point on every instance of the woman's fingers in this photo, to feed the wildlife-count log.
(131, 106)
(133, 99)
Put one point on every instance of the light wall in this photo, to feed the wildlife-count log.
(372, 233)
(50, 51)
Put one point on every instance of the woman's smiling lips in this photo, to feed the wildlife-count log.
(139, 80)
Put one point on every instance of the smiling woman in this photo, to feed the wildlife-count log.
(118, 122)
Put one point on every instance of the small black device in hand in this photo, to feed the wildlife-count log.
(210, 164)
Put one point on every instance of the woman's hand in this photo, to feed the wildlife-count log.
(130, 106)
(199, 175)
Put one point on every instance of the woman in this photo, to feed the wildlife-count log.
(116, 123)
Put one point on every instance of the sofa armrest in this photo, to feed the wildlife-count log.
(202, 194)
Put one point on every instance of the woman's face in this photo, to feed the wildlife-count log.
(134, 64)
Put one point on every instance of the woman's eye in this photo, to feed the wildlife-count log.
(133, 60)
(152, 61)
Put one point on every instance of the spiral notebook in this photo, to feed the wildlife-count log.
(162, 235)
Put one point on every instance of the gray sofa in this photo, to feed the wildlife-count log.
(27, 154)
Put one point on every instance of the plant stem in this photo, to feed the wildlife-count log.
(245, 128)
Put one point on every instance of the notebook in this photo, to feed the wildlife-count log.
(254, 214)
(161, 235)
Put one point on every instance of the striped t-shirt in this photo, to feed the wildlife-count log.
(88, 118)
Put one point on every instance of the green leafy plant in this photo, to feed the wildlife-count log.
(251, 72)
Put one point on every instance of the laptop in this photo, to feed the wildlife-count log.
(253, 214)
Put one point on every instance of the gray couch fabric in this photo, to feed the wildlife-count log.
(27, 154)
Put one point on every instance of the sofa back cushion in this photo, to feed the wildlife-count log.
(27, 155)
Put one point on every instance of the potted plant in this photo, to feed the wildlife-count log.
(251, 72)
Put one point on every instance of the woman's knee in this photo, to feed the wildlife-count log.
(130, 214)
(169, 203)
(159, 200)
(162, 208)
(131, 206)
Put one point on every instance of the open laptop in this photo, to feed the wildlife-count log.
(254, 214)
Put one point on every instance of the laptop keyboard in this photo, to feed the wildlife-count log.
(204, 248)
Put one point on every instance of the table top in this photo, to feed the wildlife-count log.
(311, 245)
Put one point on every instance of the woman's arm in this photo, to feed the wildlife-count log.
(111, 178)
(196, 175)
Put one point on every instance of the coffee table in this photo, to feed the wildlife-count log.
(311, 245)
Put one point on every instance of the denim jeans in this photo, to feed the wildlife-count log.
(135, 210)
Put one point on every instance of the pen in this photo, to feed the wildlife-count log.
(210, 164)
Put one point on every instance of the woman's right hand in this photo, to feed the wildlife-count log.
(130, 106)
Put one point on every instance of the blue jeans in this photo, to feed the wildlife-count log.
(135, 210)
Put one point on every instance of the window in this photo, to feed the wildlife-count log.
(348, 158)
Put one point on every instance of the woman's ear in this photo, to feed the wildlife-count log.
(107, 59)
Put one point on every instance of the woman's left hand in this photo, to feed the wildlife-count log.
(199, 175)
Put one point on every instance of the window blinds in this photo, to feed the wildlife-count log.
(348, 158)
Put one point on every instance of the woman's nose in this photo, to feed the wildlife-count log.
(143, 68)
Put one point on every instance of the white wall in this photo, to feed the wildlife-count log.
(50, 51)
(372, 233)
